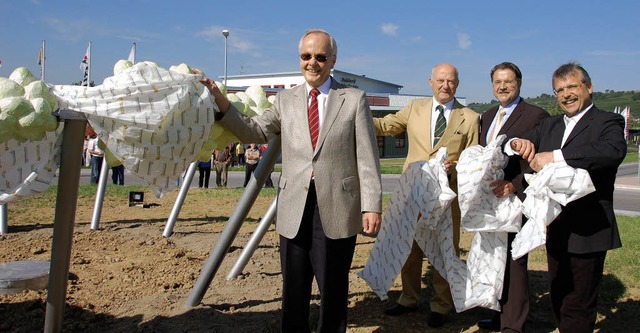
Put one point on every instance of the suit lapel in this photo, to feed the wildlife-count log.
(582, 124)
(300, 100)
(518, 111)
(335, 100)
(425, 118)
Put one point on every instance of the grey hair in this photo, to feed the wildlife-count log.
(332, 41)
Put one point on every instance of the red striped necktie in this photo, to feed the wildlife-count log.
(314, 123)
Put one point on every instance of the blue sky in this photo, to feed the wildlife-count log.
(393, 41)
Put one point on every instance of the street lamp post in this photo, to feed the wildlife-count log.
(225, 33)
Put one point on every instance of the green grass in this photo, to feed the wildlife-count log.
(625, 262)
(631, 157)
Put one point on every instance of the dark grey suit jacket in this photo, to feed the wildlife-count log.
(597, 145)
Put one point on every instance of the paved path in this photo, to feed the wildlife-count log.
(626, 195)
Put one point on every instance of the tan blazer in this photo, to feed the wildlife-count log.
(462, 131)
(345, 162)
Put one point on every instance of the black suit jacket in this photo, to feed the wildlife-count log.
(597, 145)
(524, 118)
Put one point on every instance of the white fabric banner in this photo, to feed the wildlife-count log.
(418, 210)
(490, 218)
(29, 167)
(153, 120)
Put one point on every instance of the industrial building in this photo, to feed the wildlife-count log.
(383, 97)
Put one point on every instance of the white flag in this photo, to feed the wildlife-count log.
(132, 54)
(84, 67)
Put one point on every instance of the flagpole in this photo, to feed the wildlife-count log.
(42, 62)
(89, 67)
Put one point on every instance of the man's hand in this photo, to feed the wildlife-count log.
(540, 160)
(447, 166)
(370, 223)
(502, 188)
(524, 148)
(221, 99)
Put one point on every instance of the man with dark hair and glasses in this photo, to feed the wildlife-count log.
(511, 117)
(578, 239)
(427, 134)
(329, 188)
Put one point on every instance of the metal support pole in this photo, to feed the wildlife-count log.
(177, 206)
(4, 225)
(254, 241)
(102, 185)
(66, 202)
(231, 228)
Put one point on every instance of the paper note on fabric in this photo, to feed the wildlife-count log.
(490, 218)
(418, 210)
(155, 121)
(556, 185)
(28, 167)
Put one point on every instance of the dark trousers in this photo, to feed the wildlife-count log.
(204, 175)
(312, 254)
(249, 169)
(117, 174)
(574, 285)
(515, 292)
(96, 167)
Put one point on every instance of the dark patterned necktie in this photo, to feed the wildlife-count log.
(441, 124)
(314, 123)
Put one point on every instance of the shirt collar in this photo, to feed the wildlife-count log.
(324, 88)
(578, 115)
(509, 108)
(447, 106)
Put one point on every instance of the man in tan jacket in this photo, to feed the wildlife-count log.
(420, 121)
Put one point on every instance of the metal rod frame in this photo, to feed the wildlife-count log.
(230, 231)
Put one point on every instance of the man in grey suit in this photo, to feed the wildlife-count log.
(329, 189)
(512, 117)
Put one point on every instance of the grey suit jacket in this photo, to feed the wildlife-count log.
(345, 162)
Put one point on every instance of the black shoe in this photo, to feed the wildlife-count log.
(435, 320)
(399, 309)
(491, 324)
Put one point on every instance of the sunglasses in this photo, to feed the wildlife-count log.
(319, 57)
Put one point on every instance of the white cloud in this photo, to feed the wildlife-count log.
(237, 39)
(390, 29)
(464, 40)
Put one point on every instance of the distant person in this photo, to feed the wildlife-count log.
(268, 183)
(321, 207)
(204, 173)
(512, 116)
(252, 157)
(432, 123)
(117, 174)
(222, 160)
(240, 153)
(97, 156)
(578, 239)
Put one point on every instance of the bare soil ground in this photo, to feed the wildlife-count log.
(127, 277)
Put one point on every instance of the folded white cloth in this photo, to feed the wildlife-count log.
(556, 185)
(490, 218)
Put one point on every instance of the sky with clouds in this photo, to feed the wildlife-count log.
(397, 42)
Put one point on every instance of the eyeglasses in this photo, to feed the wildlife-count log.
(319, 57)
(568, 88)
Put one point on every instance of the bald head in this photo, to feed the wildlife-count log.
(444, 82)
